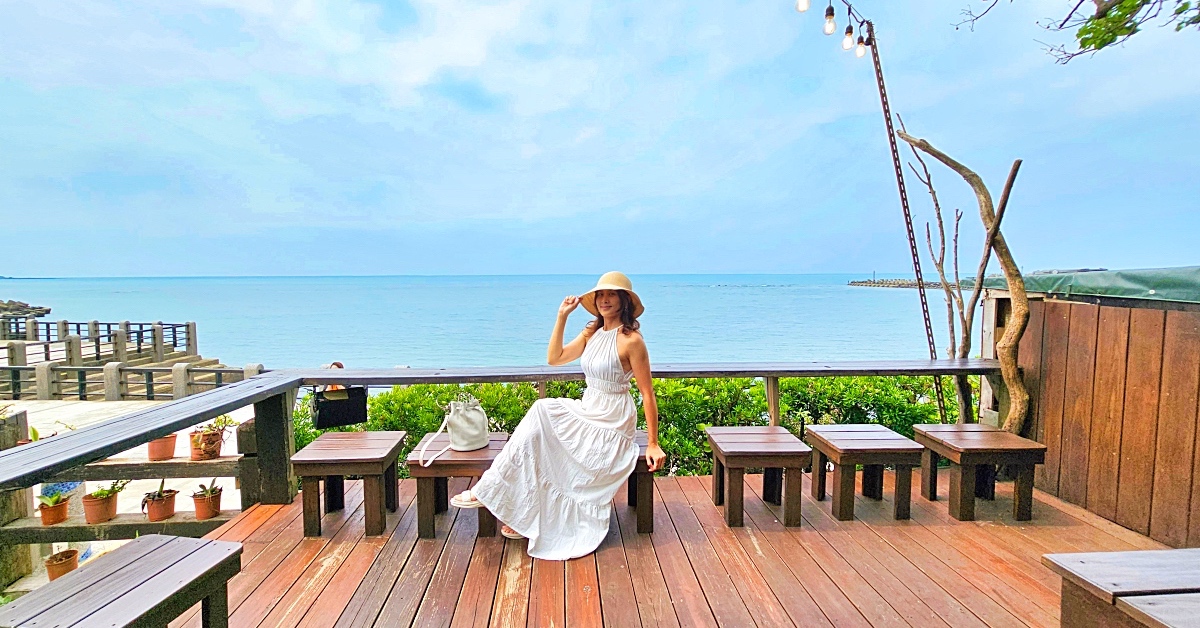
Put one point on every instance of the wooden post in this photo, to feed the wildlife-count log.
(160, 352)
(114, 384)
(772, 385)
(275, 442)
(74, 346)
(193, 348)
(248, 476)
(180, 386)
(541, 388)
(15, 561)
(31, 328)
(46, 381)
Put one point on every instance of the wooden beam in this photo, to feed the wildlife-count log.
(123, 526)
(129, 469)
(772, 386)
(276, 444)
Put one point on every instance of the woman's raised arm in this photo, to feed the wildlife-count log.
(556, 353)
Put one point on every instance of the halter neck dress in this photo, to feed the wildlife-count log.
(555, 479)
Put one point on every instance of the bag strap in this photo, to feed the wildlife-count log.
(421, 455)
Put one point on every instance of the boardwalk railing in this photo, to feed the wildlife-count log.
(29, 341)
(114, 381)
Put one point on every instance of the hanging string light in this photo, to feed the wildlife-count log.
(861, 50)
(848, 40)
(830, 24)
(802, 5)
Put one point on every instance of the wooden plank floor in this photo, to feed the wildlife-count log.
(693, 571)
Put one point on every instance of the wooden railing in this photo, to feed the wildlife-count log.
(31, 341)
(114, 381)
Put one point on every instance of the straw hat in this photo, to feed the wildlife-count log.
(611, 281)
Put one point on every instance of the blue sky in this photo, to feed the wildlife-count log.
(252, 137)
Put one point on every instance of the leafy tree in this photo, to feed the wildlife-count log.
(1112, 21)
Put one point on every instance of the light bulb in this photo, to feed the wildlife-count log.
(861, 50)
(802, 5)
(848, 40)
(830, 24)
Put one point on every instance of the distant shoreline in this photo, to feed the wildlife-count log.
(894, 283)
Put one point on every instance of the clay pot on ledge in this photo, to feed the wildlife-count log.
(162, 448)
(99, 509)
(62, 563)
(206, 445)
(160, 509)
(53, 514)
(207, 507)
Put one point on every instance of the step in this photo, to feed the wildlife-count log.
(140, 468)
(123, 526)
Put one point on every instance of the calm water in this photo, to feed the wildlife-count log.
(499, 320)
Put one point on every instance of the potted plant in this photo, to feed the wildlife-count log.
(101, 504)
(208, 501)
(162, 448)
(53, 508)
(160, 504)
(61, 563)
(206, 442)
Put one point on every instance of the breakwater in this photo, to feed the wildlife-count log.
(894, 283)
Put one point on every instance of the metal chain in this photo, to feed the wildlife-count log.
(912, 238)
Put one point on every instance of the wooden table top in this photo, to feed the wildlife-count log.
(125, 585)
(755, 440)
(349, 447)
(1111, 575)
(436, 442)
(1174, 609)
(859, 438)
(973, 437)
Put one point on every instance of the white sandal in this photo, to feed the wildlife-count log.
(509, 533)
(458, 501)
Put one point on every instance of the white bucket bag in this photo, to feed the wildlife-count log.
(467, 425)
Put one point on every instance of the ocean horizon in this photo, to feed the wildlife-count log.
(499, 320)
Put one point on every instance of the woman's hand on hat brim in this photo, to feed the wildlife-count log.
(568, 305)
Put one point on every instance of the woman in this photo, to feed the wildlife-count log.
(554, 482)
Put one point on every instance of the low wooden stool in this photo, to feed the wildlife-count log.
(870, 445)
(641, 486)
(1128, 589)
(770, 447)
(149, 581)
(974, 450)
(433, 481)
(334, 455)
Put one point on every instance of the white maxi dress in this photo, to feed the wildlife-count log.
(555, 479)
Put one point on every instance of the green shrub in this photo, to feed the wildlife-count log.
(686, 407)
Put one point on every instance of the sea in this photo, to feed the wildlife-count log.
(448, 321)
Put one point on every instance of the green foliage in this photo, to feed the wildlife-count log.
(116, 487)
(158, 495)
(53, 499)
(686, 407)
(1125, 18)
(4, 599)
(208, 491)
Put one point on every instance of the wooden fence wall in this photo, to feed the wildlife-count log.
(1114, 399)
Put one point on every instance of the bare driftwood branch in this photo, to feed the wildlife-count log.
(1006, 347)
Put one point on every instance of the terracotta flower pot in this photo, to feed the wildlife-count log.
(162, 448)
(206, 445)
(159, 509)
(207, 507)
(53, 514)
(99, 509)
(61, 563)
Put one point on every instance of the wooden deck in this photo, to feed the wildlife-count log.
(693, 571)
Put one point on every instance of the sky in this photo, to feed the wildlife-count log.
(272, 137)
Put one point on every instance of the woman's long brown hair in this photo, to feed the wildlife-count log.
(628, 322)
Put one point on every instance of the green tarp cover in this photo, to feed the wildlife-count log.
(1158, 284)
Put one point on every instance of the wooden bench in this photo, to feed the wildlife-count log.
(1142, 588)
(433, 481)
(974, 450)
(146, 582)
(870, 445)
(641, 487)
(334, 455)
(735, 448)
